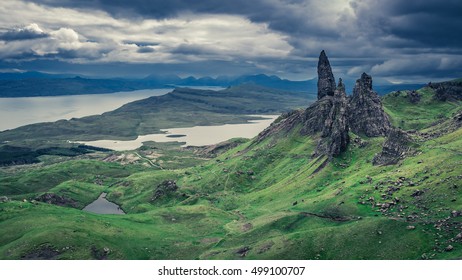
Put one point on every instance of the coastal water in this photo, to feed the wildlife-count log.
(192, 136)
(19, 111)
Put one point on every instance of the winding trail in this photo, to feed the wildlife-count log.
(148, 160)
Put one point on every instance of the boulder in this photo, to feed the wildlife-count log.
(417, 193)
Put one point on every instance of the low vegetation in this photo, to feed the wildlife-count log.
(267, 199)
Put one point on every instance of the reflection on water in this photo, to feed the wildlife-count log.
(193, 136)
(103, 206)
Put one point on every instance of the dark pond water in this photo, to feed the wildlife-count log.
(103, 206)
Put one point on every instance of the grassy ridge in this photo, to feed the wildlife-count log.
(425, 113)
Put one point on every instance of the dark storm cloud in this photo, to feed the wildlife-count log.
(160, 8)
(145, 50)
(430, 23)
(22, 34)
(191, 49)
(141, 44)
(288, 16)
(389, 38)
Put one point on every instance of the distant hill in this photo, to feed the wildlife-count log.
(29, 84)
(31, 75)
(224, 81)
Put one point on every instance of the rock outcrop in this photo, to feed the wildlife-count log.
(395, 148)
(60, 200)
(334, 136)
(366, 115)
(447, 91)
(164, 189)
(326, 81)
(413, 96)
(315, 116)
(333, 115)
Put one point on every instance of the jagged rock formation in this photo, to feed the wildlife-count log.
(165, 188)
(395, 148)
(55, 199)
(333, 114)
(366, 115)
(334, 136)
(314, 117)
(413, 96)
(448, 91)
(326, 81)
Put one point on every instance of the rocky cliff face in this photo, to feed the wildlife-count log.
(334, 136)
(395, 148)
(366, 115)
(326, 81)
(333, 115)
(448, 91)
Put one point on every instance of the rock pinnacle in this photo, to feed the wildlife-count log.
(326, 81)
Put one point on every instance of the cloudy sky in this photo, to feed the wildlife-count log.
(401, 41)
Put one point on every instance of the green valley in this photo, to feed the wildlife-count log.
(348, 177)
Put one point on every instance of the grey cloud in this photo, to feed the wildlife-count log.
(382, 36)
(191, 49)
(22, 34)
(145, 50)
(141, 43)
(431, 23)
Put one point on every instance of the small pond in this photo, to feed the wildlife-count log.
(103, 206)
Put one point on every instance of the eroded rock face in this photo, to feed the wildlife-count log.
(165, 188)
(56, 199)
(413, 96)
(334, 137)
(333, 114)
(395, 148)
(326, 81)
(365, 113)
(448, 91)
(315, 115)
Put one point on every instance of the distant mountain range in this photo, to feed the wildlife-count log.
(27, 84)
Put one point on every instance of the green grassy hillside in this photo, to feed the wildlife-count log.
(259, 200)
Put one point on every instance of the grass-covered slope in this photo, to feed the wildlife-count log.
(424, 113)
(259, 200)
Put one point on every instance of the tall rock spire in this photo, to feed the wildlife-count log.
(326, 81)
(366, 114)
(334, 136)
